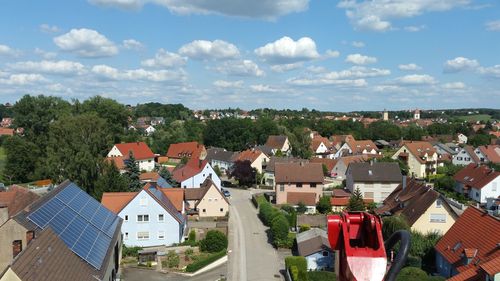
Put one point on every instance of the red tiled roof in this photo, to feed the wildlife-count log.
(337, 192)
(140, 150)
(185, 149)
(249, 154)
(420, 148)
(118, 161)
(6, 132)
(474, 229)
(492, 266)
(190, 169)
(329, 163)
(317, 140)
(492, 152)
(298, 173)
(175, 195)
(152, 176)
(116, 201)
(495, 133)
(276, 142)
(476, 176)
(357, 146)
(294, 198)
(16, 199)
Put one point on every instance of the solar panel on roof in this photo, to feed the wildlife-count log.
(84, 225)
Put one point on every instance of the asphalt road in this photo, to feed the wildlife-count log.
(136, 274)
(251, 257)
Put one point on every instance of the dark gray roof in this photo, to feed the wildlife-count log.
(375, 172)
(220, 154)
(274, 159)
(445, 148)
(266, 149)
(312, 241)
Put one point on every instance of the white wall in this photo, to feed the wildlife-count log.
(147, 165)
(491, 190)
(171, 227)
(114, 152)
(198, 179)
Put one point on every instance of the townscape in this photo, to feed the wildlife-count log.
(161, 192)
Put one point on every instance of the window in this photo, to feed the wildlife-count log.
(438, 218)
(142, 218)
(143, 201)
(494, 186)
(298, 185)
(325, 254)
(313, 185)
(17, 247)
(282, 187)
(161, 235)
(477, 194)
(439, 203)
(204, 210)
(126, 236)
(222, 210)
(142, 235)
(126, 217)
(149, 161)
(459, 158)
(368, 195)
(161, 218)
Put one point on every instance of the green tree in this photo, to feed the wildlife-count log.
(445, 183)
(479, 139)
(279, 230)
(167, 176)
(230, 133)
(110, 180)
(392, 224)
(412, 274)
(217, 171)
(133, 173)
(172, 259)
(326, 173)
(324, 205)
(22, 157)
(356, 202)
(76, 149)
(301, 207)
(215, 241)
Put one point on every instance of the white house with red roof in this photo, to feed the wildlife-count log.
(189, 150)
(478, 182)
(151, 217)
(194, 173)
(141, 151)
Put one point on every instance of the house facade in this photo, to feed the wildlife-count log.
(279, 143)
(257, 158)
(340, 168)
(421, 158)
(189, 150)
(206, 201)
(357, 147)
(314, 246)
(194, 173)
(375, 180)
(143, 155)
(321, 147)
(478, 182)
(220, 157)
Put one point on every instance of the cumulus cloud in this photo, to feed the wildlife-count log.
(286, 51)
(409, 67)
(22, 79)
(204, 50)
(358, 44)
(239, 8)
(493, 25)
(353, 77)
(86, 43)
(44, 54)
(111, 73)
(416, 79)
(454, 86)
(360, 59)
(376, 15)
(165, 58)
(460, 64)
(47, 28)
(327, 82)
(332, 54)
(285, 67)
(492, 71)
(7, 51)
(228, 84)
(414, 28)
(262, 88)
(132, 44)
(62, 67)
(240, 68)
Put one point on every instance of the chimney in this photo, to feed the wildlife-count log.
(29, 236)
(17, 247)
(404, 182)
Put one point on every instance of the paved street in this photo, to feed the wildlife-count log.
(251, 257)
(135, 274)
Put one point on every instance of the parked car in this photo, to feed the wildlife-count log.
(226, 192)
(228, 184)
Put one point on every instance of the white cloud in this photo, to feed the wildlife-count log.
(261, 88)
(414, 28)
(240, 68)
(132, 44)
(44, 54)
(239, 8)
(360, 59)
(492, 71)
(86, 43)
(416, 79)
(376, 15)
(332, 54)
(111, 73)
(7, 51)
(285, 67)
(460, 64)
(228, 84)
(317, 69)
(165, 58)
(203, 50)
(327, 82)
(454, 86)
(358, 44)
(409, 67)
(286, 50)
(493, 25)
(23, 79)
(62, 67)
(47, 28)
(358, 72)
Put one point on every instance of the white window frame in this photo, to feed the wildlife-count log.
(161, 235)
(439, 203)
(143, 218)
(125, 218)
(144, 236)
(437, 220)
(162, 219)
(125, 236)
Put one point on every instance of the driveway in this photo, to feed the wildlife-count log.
(251, 257)
(137, 274)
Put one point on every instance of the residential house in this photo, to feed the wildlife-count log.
(342, 164)
(257, 158)
(420, 156)
(149, 130)
(424, 209)
(340, 199)
(279, 143)
(67, 235)
(478, 182)
(461, 138)
(269, 177)
(154, 177)
(469, 250)
(194, 173)
(6, 132)
(492, 153)
(155, 121)
(6, 122)
(357, 147)
(206, 201)
(220, 157)
(322, 147)
(493, 206)
(374, 180)
(314, 246)
(189, 150)
(150, 216)
(443, 149)
(143, 155)
(467, 155)
(327, 163)
(299, 182)
(339, 140)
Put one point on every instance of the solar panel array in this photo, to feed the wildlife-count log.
(84, 225)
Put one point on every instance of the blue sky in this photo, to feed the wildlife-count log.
(328, 55)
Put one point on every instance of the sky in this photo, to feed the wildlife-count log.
(327, 55)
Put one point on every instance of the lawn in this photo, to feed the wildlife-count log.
(475, 118)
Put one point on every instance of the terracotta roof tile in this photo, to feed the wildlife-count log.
(308, 198)
(118, 161)
(175, 195)
(357, 146)
(6, 132)
(476, 176)
(492, 152)
(116, 201)
(329, 163)
(298, 173)
(152, 176)
(185, 149)
(492, 266)
(140, 150)
(276, 142)
(190, 169)
(318, 140)
(420, 148)
(249, 154)
(16, 199)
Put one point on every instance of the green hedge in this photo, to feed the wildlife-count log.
(298, 261)
(199, 264)
(321, 276)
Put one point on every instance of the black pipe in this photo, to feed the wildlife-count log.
(404, 249)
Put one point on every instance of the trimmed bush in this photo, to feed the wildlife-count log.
(321, 276)
(304, 227)
(294, 272)
(279, 230)
(199, 264)
(172, 259)
(298, 261)
(130, 251)
(215, 241)
(412, 274)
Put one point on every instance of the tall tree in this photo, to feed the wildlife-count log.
(76, 147)
(133, 173)
(115, 114)
(324, 205)
(356, 202)
(22, 157)
(167, 176)
(244, 173)
(110, 180)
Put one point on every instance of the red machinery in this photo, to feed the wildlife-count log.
(357, 236)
